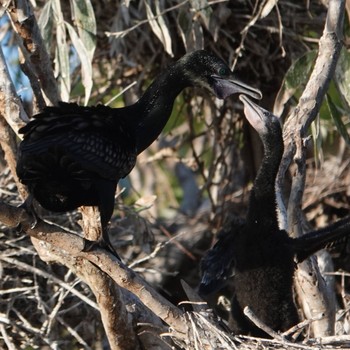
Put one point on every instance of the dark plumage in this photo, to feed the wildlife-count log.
(72, 155)
(259, 256)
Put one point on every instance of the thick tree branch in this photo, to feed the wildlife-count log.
(295, 137)
(123, 276)
(297, 125)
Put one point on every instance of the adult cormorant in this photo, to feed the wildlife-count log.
(72, 155)
(259, 256)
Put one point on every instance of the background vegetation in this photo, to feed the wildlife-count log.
(198, 174)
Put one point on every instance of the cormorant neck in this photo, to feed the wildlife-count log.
(154, 108)
(262, 202)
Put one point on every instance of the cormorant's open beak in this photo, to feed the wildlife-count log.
(255, 114)
(226, 87)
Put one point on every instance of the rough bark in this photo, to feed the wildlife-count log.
(314, 294)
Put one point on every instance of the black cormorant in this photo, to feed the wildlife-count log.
(72, 155)
(260, 257)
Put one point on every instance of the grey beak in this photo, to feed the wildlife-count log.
(226, 87)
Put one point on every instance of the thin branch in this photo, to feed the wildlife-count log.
(122, 33)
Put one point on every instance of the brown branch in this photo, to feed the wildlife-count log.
(297, 124)
(116, 321)
(123, 276)
(315, 298)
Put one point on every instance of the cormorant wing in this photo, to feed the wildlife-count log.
(95, 137)
(326, 237)
(218, 265)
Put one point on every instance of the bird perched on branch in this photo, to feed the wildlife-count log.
(74, 156)
(260, 257)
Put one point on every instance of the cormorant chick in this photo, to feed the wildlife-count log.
(259, 256)
(73, 156)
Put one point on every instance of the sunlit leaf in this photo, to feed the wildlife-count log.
(86, 67)
(317, 138)
(45, 23)
(159, 28)
(294, 80)
(62, 68)
(84, 18)
(342, 75)
(165, 30)
(269, 5)
(337, 118)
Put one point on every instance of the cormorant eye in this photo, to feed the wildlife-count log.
(223, 71)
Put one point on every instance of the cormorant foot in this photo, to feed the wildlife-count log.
(89, 246)
(27, 205)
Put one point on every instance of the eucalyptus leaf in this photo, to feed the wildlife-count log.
(62, 67)
(317, 138)
(164, 29)
(184, 25)
(86, 66)
(84, 18)
(268, 6)
(160, 30)
(190, 30)
(45, 24)
(294, 80)
(337, 118)
(342, 76)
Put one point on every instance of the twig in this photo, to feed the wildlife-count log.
(122, 33)
(250, 314)
(7, 340)
(32, 269)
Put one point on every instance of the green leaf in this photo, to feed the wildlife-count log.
(83, 16)
(337, 118)
(342, 76)
(294, 80)
(45, 23)
(86, 66)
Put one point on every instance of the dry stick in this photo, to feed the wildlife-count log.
(123, 276)
(250, 314)
(295, 138)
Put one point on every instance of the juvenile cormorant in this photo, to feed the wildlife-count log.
(259, 256)
(73, 156)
